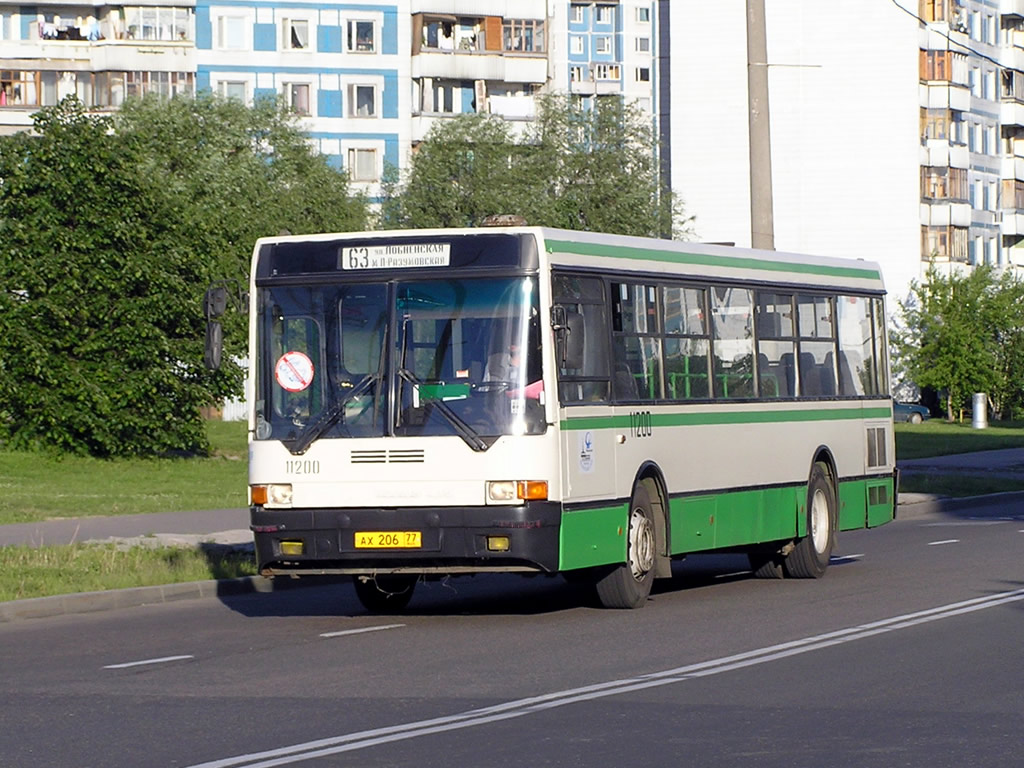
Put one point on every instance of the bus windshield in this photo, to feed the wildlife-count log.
(459, 357)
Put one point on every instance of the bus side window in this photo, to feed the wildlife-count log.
(582, 298)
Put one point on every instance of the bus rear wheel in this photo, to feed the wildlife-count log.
(629, 584)
(386, 593)
(810, 556)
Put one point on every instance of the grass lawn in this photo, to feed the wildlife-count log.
(37, 486)
(27, 572)
(940, 438)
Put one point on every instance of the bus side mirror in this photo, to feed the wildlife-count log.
(215, 302)
(214, 344)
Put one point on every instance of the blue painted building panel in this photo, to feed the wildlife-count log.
(467, 97)
(204, 29)
(328, 103)
(389, 99)
(264, 37)
(28, 18)
(389, 34)
(264, 93)
(202, 81)
(328, 39)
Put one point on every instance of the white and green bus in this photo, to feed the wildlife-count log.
(528, 400)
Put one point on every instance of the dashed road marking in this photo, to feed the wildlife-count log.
(162, 660)
(360, 631)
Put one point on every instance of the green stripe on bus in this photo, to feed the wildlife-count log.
(707, 260)
(622, 421)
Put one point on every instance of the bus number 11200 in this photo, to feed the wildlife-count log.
(640, 423)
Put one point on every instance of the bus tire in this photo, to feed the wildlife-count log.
(628, 585)
(385, 593)
(810, 556)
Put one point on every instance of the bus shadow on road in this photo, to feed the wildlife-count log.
(482, 594)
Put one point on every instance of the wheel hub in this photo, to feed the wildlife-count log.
(641, 544)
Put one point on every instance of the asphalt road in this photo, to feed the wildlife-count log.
(908, 653)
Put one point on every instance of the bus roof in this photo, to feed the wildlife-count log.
(644, 255)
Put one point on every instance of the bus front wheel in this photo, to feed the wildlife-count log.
(385, 593)
(810, 556)
(629, 584)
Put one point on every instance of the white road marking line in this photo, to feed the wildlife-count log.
(731, 575)
(360, 631)
(944, 541)
(845, 558)
(162, 660)
(363, 739)
(965, 523)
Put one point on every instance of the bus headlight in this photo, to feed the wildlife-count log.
(272, 495)
(511, 491)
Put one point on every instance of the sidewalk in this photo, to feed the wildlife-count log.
(221, 526)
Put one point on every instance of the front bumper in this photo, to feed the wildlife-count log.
(454, 540)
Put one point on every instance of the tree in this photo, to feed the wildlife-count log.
(951, 335)
(111, 228)
(575, 167)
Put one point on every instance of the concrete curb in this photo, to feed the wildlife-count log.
(924, 504)
(108, 600)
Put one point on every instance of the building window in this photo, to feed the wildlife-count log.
(362, 100)
(576, 44)
(643, 45)
(297, 95)
(523, 35)
(576, 13)
(936, 124)
(143, 23)
(576, 73)
(231, 33)
(361, 37)
(603, 45)
(605, 14)
(362, 164)
(296, 34)
(643, 15)
(606, 72)
(941, 183)
(643, 74)
(232, 89)
(944, 243)
(934, 10)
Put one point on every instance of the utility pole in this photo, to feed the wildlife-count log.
(762, 218)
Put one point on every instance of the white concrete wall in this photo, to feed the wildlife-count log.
(843, 99)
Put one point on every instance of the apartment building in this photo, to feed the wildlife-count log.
(368, 78)
(341, 66)
(897, 129)
(101, 53)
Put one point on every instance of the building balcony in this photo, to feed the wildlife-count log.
(1012, 222)
(943, 154)
(1011, 112)
(98, 55)
(509, 9)
(1011, 8)
(509, 68)
(1012, 168)
(946, 95)
(943, 213)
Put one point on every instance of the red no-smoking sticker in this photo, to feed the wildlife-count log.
(294, 371)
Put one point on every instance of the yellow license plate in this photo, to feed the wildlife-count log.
(389, 540)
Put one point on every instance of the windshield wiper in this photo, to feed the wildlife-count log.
(462, 429)
(329, 415)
